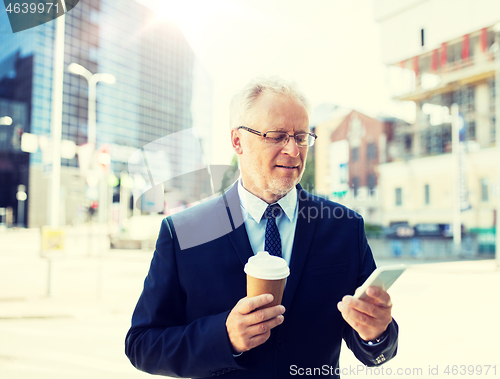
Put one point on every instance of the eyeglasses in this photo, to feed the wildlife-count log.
(282, 138)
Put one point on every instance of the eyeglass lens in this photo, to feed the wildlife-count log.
(302, 139)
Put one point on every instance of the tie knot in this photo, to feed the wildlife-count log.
(273, 211)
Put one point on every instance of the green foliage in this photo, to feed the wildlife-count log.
(309, 176)
(228, 177)
(373, 230)
(234, 161)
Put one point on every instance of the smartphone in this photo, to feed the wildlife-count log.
(382, 277)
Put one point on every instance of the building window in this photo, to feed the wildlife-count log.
(399, 197)
(427, 194)
(408, 143)
(371, 151)
(492, 91)
(454, 52)
(474, 41)
(493, 130)
(484, 190)
(355, 185)
(491, 88)
(371, 181)
(471, 131)
(422, 39)
(465, 97)
(355, 154)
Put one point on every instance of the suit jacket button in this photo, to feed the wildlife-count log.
(280, 344)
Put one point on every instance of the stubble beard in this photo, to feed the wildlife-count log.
(276, 186)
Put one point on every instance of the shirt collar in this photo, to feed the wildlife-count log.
(256, 207)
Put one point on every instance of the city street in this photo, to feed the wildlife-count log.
(114, 114)
(447, 313)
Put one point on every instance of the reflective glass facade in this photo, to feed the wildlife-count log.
(155, 71)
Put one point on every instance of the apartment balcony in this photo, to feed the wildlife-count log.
(448, 78)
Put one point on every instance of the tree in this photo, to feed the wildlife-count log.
(230, 174)
(309, 176)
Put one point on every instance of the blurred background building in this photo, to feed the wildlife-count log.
(439, 53)
(160, 89)
(355, 144)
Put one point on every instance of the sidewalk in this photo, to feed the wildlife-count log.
(448, 316)
(447, 313)
(77, 332)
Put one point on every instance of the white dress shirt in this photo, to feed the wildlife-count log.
(253, 209)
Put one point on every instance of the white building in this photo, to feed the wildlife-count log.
(439, 53)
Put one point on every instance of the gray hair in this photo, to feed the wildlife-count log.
(243, 101)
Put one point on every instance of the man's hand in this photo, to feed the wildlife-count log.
(248, 328)
(369, 317)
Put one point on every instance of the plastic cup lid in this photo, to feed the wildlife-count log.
(265, 266)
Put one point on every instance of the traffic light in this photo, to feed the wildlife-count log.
(104, 157)
(93, 207)
(16, 137)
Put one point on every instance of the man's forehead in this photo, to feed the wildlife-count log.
(280, 109)
(271, 99)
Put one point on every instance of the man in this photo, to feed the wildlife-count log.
(193, 318)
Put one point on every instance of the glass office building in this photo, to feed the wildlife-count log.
(154, 95)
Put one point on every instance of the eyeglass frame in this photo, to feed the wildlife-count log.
(287, 135)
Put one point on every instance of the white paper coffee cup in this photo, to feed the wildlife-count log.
(266, 274)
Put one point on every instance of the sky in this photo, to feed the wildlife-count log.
(331, 48)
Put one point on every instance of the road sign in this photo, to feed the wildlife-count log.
(52, 238)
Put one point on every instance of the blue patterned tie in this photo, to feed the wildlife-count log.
(273, 239)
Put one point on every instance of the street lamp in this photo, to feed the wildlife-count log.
(92, 80)
(6, 120)
(21, 197)
(21, 194)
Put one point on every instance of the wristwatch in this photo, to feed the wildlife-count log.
(377, 340)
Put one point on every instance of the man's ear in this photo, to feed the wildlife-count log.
(236, 141)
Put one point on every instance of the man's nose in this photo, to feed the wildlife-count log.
(291, 148)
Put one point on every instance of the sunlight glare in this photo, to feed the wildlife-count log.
(194, 17)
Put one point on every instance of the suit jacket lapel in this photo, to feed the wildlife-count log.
(236, 231)
(304, 232)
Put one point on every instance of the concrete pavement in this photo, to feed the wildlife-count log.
(448, 316)
(77, 332)
(447, 312)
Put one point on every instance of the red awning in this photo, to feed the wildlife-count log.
(484, 39)
(415, 65)
(434, 60)
(444, 56)
(465, 48)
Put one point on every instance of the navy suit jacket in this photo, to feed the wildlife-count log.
(196, 277)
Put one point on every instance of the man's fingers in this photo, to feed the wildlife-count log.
(353, 315)
(247, 330)
(249, 304)
(265, 314)
(266, 326)
(365, 317)
(260, 333)
(258, 340)
(361, 322)
(380, 296)
(364, 306)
